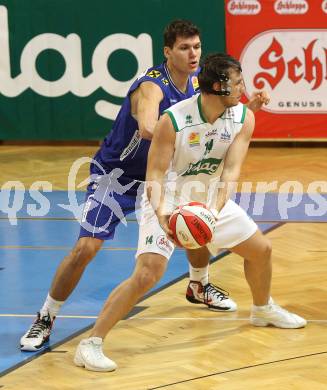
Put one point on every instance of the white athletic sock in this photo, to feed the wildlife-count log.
(199, 274)
(264, 307)
(51, 307)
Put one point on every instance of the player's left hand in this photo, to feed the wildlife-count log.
(257, 100)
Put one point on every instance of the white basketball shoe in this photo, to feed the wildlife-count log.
(38, 334)
(214, 297)
(89, 354)
(275, 315)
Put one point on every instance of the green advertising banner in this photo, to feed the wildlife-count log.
(66, 65)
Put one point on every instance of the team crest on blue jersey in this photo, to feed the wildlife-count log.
(154, 74)
(165, 81)
(194, 139)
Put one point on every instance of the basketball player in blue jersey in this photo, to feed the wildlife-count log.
(117, 172)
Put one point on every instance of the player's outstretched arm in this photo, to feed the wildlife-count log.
(160, 155)
(145, 107)
(234, 159)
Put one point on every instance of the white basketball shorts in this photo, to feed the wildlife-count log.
(233, 227)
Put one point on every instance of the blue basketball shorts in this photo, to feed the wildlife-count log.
(107, 203)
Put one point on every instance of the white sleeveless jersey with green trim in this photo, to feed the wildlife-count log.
(200, 149)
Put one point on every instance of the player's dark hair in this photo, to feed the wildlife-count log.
(179, 28)
(215, 67)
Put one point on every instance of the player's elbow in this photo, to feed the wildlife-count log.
(145, 132)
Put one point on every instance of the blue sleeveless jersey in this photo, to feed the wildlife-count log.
(123, 148)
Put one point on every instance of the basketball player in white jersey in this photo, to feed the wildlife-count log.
(201, 142)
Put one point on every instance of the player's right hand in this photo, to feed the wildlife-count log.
(164, 223)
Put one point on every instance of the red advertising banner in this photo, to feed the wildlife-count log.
(282, 46)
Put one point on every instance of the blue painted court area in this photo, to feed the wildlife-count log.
(30, 251)
(29, 255)
(262, 207)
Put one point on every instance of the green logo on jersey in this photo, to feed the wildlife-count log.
(148, 240)
(206, 165)
(209, 146)
(188, 119)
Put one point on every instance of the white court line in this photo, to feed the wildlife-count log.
(63, 248)
(199, 319)
(33, 315)
(188, 319)
(220, 318)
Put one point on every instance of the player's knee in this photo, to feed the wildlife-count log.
(266, 249)
(85, 250)
(146, 280)
(147, 277)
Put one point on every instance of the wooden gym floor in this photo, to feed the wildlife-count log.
(175, 345)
